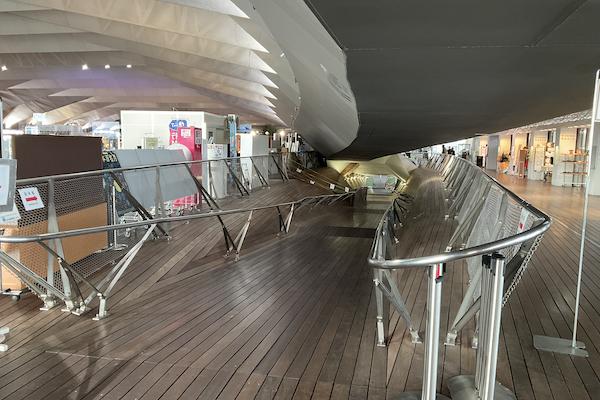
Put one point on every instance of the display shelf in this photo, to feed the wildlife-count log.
(575, 167)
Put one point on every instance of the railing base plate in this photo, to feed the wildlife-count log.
(417, 396)
(463, 388)
(558, 345)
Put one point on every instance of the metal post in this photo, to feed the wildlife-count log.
(378, 276)
(283, 174)
(465, 306)
(259, 174)
(159, 206)
(288, 221)
(136, 204)
(211, 181)
(115, 216)
(493, 332)
(435, 276)
(585, 208)
(115, 220)
(240, 186)
(483, 385)
(559, 345)
(432, 334)
(57, 244)
(210, 201)
(281, 220)
(393, 295)
(118, 271)
(239, 240)
(483, 320)
(37, 284)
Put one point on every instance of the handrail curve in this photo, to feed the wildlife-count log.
(157, 221)
(376, 261)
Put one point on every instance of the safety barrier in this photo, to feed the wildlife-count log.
(139, 203)
(496, 234)
(310, 176)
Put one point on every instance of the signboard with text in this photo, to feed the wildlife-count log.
(31, 199)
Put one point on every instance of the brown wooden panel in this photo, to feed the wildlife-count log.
(43, 155)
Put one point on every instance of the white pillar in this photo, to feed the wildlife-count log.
(595, 167)
(566, 143)
(492, 158)
(537, 151)
(519, 142)
(1, 127)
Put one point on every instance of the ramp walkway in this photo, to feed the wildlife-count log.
(295, 317)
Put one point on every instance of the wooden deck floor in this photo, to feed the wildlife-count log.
(544, 303)
(294, 318)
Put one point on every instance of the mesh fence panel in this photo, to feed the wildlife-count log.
(111, 198)
(486, 227)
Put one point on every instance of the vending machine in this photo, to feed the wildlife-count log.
(189, 140)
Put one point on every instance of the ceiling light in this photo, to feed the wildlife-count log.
(128, 65)
(3, 68)
(107, 66)
(85, 67)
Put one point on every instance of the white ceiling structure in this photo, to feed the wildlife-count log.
(206, 55)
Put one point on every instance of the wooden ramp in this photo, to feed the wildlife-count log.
(294, 318)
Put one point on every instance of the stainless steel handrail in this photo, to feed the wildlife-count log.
(486, 248)
(71, 279)
(85, 174)
(156, 221)
(314, 175)
(483, 384)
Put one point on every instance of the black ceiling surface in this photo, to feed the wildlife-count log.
(427, 72)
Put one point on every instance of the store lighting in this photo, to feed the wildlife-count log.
(129, 66)
(282, 133)
(4, 68)
(107, 66)
(84, 67)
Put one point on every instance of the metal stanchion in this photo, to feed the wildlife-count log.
(573, 346)
(483, 385)
(377, 279)
(379, 300)
(435, 277)
(115, 220)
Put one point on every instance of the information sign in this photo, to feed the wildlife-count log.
(31, 199)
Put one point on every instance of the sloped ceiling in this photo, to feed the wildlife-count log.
(427, 72)
(183, 54)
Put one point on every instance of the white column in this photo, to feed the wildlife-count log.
(595, 167)
(1, 127)
(566, 143)
(559, 167)
(537, 152)
(519, 142)
(492, 158)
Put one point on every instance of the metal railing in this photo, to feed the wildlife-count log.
(120, 209)
(307, 175)
(496, 233)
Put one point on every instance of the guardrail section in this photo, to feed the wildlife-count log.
(118, 211)
(495, 234)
